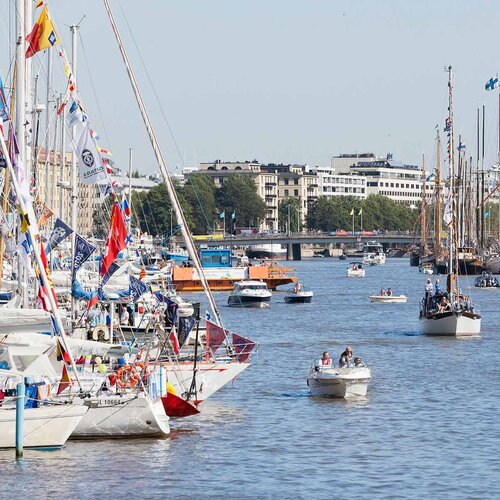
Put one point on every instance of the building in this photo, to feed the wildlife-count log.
(334, 184)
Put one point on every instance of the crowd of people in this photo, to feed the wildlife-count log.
(437, 300)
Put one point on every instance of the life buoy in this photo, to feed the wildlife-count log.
(128, 376)
(100, 333)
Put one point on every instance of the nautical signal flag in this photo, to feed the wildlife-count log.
(43, 35)
(65, 381)
(61, 353)
(492, 83)
(116, 240)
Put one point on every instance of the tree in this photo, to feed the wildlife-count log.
(239, 194)
(199, 192)
(295, 222)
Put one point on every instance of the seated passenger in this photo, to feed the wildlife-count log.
(382, 292)
(358, 362)
(345, 360)
(326, 360)
(389, 292)
(438, 288)
(443, 305)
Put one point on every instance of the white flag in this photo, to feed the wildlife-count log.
(90, 163)
(24, 251)
(448, 211)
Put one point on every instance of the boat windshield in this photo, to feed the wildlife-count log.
(252, 287)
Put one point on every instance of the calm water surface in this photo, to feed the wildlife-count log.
(430, 423)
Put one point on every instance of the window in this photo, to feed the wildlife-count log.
(296, 182)
(286, 182)
(296, 192)
(392, 184)
(286, 192)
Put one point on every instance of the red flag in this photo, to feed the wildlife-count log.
(42, 291)
(215, 336)
(61, 353)
(43, 35)
(116, 241)
(243, 347)
(174, 340)
(65, 380)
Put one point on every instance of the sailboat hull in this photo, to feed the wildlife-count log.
(451, 324)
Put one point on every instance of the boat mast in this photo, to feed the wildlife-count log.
(163, 168)
(437, 211)
(423, 226)
(451, 194)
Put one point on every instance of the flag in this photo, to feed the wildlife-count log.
(24, 249)
(42, 290)
(142, 274)
(492, 83)
(222, 214)
(215, 336)
(75, 114)
(61, 353)
(90, 163)
(233, 215)
(43, 35)
(45, 215)
(65, 381)
(430, 177)
(112, 269)
(448, 211)
(125, 208)
(172, 337)
(83, 250)
(4, 110)
(59, 233)
(461, 147)
(115, 242)
(352, 212)
(136, 288)
(243, 347)
(39, 4)
(360, 211)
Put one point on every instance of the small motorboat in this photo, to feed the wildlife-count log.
(426, 269)
(249, 293)
(355, 270)
(388, 299)
(486, 280)
(334, 382)
(342, 256)
(298, 296)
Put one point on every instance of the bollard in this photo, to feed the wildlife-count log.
(21, 391)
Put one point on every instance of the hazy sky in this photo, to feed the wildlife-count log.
(283, 80)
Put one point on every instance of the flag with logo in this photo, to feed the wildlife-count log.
(116, 240)
(83, 250)
(136, 288)
(59, 233)
(43, 35)
(90, 164)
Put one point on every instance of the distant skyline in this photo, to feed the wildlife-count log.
(282, 81)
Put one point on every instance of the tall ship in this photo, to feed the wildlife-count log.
(450, 312)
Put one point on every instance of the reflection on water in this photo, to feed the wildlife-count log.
(429, 423)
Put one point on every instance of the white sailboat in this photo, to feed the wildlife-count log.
(451, 313)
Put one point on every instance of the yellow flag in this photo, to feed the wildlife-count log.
(352, 212)
(43, 35)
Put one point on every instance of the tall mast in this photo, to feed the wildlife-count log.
(423, 227)
(437, 211)
(163, 168)
(451, 194)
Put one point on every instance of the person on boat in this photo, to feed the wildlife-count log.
(443, 305)
(124, 316)
(354, 266)
(345, 360)
(297, 288)
(429, 288)
(382, 292)
(326, 360)
(437, 288)
(389, 292)
(358, 362)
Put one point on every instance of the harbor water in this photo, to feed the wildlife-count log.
(430, 422)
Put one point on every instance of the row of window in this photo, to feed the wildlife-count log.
(404, 194)
(342, 180)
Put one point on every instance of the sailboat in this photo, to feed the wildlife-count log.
(451, 313)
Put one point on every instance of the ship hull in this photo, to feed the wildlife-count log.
(451, 324)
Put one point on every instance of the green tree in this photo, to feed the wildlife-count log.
(199, 192)
(295, 220)
(239, 194)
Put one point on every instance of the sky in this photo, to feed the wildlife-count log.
(284, 81)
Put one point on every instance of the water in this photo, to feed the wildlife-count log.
(429, 424)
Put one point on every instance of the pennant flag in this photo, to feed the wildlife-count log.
(4, 110)
(45, 215)
(61, 353)
(360, 211)
(104, 151)
(222, 214)
(115, 242)
(142, 274)
(172, 337)
(83, 250)
(43, 35)
(93, 301)
(65, 381)
(351, 212)
(90, 162)
(39, 4)
(448, 211)
(242, 347)
(233, 215)
(59, 233)
(492, 83)
(137, 288)
(112, 270)
(215, 336)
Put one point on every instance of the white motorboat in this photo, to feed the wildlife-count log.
(373, 253)
(249, 293)
(355, 270)
(426, 269)
(388, 299)
(299, 297)
(48, 426)
(334, 382)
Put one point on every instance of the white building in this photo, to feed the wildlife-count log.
(335, 184)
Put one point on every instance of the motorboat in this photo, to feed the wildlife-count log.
(298, 296)
(426, 268)
(388, 299)
(249, 293)
(266, 251)
(373, 253)
(355, 270)
(486, 280)
(334, 382)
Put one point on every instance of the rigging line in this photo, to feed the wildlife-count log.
(153, 218)
(101, 115)
(163, 113)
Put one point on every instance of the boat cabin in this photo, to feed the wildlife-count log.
(215, 257)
